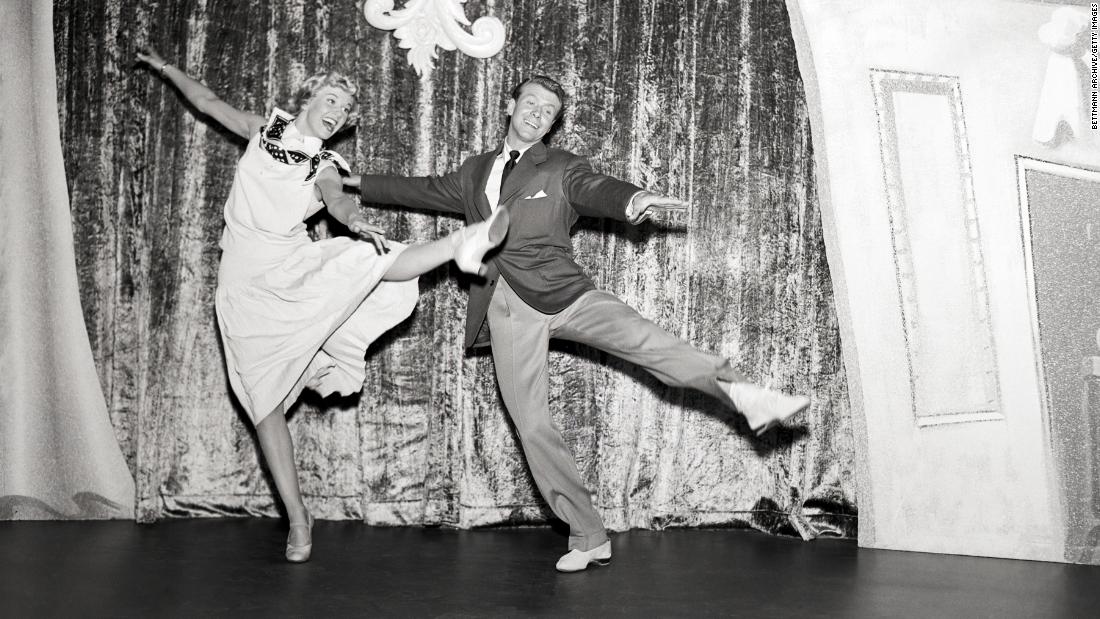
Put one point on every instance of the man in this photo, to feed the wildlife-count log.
(534, 291)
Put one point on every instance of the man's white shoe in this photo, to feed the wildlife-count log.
(764, 408)
(577, 560)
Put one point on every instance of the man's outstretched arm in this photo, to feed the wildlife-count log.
(598, 195)
(435, 193)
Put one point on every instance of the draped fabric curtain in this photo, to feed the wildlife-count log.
(58, 453)
(697, 99)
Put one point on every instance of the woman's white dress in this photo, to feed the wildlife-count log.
(295, 313)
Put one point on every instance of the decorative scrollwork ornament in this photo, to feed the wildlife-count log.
(1063, 99)
(423, 25)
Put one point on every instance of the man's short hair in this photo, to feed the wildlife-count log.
(548, 83)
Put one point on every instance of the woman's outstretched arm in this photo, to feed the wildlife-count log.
(345, 208)
(202, 98)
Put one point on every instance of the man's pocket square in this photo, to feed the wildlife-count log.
(540, 194)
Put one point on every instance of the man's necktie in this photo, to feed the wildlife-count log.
(508, 166)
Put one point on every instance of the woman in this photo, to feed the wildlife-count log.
(294, 313)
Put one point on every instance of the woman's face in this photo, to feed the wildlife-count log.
(326, 113)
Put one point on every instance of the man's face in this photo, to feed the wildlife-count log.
(533, 114)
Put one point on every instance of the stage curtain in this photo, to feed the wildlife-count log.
(699, 100)
(58, 453)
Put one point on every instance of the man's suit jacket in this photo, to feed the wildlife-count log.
(546, 193)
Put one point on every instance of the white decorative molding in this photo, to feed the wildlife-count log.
(422, 25)
(942, 287)
(1063, 99)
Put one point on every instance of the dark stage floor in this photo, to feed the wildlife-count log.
(233, 567)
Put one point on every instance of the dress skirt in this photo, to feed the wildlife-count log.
(305, 319)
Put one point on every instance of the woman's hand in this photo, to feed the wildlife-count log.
(359, 225)
(352, 180)
(149, 56)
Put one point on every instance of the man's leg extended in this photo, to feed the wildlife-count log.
(601, 320)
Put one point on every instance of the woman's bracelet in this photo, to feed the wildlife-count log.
(163, 67)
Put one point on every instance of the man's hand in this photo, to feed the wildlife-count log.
(352, 180)
(664, 208)
(359, 225)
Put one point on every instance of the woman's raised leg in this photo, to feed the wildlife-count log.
(466, 247)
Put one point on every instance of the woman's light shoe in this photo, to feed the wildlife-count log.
(300, 553)
(577, 560)
(475, 240)
(765, 408)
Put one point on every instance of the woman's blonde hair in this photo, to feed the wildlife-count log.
(316, 82)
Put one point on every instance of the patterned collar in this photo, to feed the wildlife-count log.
(281, 139)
